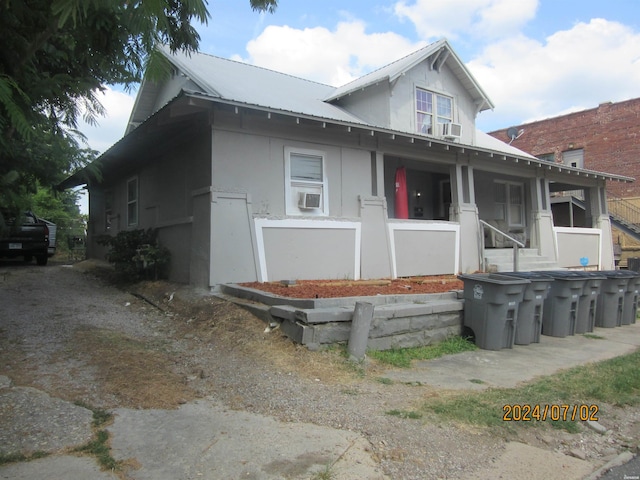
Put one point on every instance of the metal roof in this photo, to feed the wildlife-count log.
(247, 86)
(252, 85)
(440, 50)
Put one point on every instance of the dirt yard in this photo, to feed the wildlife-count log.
(69, 332)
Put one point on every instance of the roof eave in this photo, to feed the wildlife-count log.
(82, 176)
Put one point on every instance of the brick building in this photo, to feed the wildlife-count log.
(604, 139)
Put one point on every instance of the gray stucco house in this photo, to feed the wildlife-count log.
(254, 175)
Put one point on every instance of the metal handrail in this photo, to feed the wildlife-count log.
(623, 209)
(516, 244)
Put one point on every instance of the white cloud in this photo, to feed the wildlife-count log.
(452, 19)
(110, 129)
(572, 70)
(332, 57)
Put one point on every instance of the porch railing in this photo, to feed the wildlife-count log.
(516, 244)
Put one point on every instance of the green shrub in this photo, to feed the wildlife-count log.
(137, 255)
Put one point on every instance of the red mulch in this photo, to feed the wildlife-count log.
(357, 288)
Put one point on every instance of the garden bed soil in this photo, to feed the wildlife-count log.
(359, 288)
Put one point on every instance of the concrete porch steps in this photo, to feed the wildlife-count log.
(399, 321)
(501, 260)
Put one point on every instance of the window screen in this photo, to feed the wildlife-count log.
(307, 168)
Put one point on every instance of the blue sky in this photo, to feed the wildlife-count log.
(534, 58)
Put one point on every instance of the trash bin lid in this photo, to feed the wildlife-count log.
(496, 278)
(532, 276)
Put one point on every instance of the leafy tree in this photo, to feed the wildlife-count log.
(58, 207)
(62, 209)
(57, 55)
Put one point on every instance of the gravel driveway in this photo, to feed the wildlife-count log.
(72, 336)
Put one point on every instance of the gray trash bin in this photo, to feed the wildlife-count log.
(630, 308)
(610, 308)
(588, 303)
(530, 311)
(561, 306)
(491, 304)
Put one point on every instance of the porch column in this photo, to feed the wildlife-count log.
(597, 216)
(464, 211)
(375, 250)
(542, 235)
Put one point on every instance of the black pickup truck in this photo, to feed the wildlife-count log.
(24, 235)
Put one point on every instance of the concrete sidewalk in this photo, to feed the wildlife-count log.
(200, 440)
(481, 369)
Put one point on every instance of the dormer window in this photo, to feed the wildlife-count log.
(432, 109)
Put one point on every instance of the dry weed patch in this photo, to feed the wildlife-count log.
(233, 330)
(137, 373)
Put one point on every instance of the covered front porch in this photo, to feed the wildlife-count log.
(501, 209)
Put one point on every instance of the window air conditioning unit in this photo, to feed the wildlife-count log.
(451, 130)
(308, 201)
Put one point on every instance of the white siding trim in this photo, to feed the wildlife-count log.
(425, 227)
(261, 223)
(579, 231)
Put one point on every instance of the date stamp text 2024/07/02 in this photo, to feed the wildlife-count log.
(540, 413)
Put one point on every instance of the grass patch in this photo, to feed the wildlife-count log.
(405, 414)
(100, 447)
(592, 336)
(384, 380)
(101, 450)
(350, 391)
(402, 357)
(100, 417)
(615, 381)
(325, 474)
(19, 457)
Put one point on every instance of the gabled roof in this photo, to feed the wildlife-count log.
(245, 84)
(437, 54)
(249, 85)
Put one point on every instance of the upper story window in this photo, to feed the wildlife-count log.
(432, 109)
(573, 158)
(132, 202)
(306, 182)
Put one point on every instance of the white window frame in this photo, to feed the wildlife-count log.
(293, 187)
(435, 115)
(508, 204)
(573, 158)
(133, 203)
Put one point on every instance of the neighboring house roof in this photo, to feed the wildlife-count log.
(437, 53)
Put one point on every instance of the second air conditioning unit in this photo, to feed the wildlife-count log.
(451, 131)
(309, 201)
